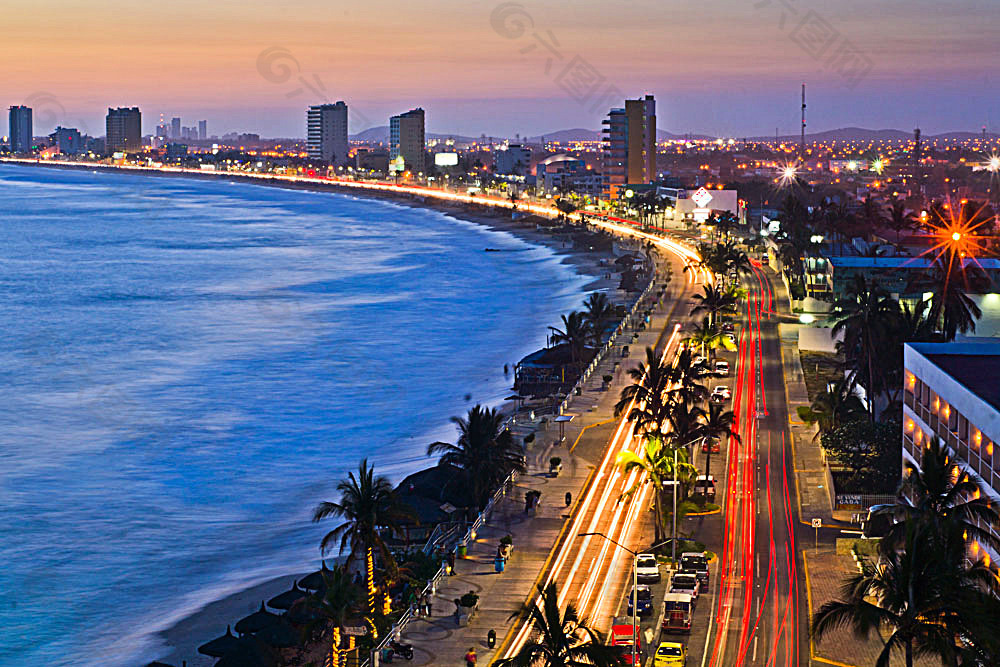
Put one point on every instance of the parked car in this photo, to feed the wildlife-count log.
(720, 394)
(686, 582)
(697, 562)
(676, 612)
(622, 637)
(647, 570)
(705, 486)
(710, 443)
(722, 368)
(670, 654)
(698, 359)
(645, 596)
(728, 327)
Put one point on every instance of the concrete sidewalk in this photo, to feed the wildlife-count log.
(440, 639)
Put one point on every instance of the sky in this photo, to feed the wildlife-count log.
(724, 68)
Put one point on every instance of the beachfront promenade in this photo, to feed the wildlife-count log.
(441, 639)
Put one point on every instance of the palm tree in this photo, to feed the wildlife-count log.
(646, 397)
(833, 407)
(575, 333)
(686, 424)
(685, 387)
(709, 338)
(560, 639)
(867, 315)
(712, 301)
(721, 424)
(485, 450)
(368, 506)
(598, 314)
(951, 306)
(340, 599)
(899, 219)
(939, 493)
(652, 459)
(932, 603)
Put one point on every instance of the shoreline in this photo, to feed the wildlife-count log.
(179, 642)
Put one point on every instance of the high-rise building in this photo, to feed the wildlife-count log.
(203, 129)
(175, 128)
(406, 141)
(629, 144)
(20, 129)
(68, 140)
(326, 133)
(124, 130)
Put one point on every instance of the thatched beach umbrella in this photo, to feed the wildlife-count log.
(256, 621)
(288, 598)
(314, 581)
(219, 646)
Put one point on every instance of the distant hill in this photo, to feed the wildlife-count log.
(381, 134)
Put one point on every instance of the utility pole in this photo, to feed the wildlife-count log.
(802, 140)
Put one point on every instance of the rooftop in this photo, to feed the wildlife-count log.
(973, 364)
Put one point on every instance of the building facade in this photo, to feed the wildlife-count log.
(629, 145)
(175, 128)
(950, 392)
(514, 160)
(202, 129)
(67, 140)
(124, 130)
(326, 133)
(20, 129)
(407, 141)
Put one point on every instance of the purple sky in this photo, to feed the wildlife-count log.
(730, 67)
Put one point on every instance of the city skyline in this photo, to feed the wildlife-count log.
(732, 69)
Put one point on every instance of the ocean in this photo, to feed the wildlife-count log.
(187, 367)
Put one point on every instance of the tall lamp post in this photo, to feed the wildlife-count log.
(635, 588)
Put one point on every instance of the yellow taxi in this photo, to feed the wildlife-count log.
(670, 654)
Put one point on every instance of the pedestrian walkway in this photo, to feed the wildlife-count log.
(444, 638)
(825, 572)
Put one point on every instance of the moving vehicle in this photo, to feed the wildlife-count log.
(647, 570)
(697, 562)
(722, 368)
(670, 654)
(645, 596)
(622, 637)
(676, 612)
(686, 582)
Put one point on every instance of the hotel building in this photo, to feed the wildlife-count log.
(629, 145)
(326, 133)
(124, 130)
(20, 129)
(951, 392)
(406, 141)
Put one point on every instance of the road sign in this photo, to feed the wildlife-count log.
(817, 523)
(355, 631)
(701, 197)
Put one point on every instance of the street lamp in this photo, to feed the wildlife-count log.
(635, 587)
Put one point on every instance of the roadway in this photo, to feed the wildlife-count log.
(760, 617)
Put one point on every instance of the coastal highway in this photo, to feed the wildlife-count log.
(760, 618)
(589, 571)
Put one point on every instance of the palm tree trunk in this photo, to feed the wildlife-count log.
(658, 510)
(909, 653)
(370, 579)
(334, 660)
(708, 467)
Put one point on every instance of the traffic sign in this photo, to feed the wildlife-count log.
(817, 523)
